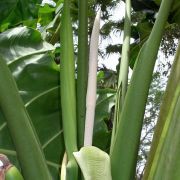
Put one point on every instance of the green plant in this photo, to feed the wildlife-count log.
(67, 91)
(43, 109)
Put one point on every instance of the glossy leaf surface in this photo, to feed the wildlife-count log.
(37, 78)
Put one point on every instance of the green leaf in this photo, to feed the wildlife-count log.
(68, 91)
(144, 30)
(38, 81)
(166, 142)
(19, 42)
(125, 147)
(46, 9)
(18, 12)
(6, 7)
(175, 12)
(103, 118)
(37, 77)
(169, 151)
(174, 16)
(94, 163)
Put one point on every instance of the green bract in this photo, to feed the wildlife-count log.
(94, 163)
(13, 174)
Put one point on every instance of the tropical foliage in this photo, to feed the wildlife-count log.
(43, 85)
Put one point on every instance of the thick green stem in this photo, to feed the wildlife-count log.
(25, 140)
(123, 71)
(68, 92)
(82, 69)
(126, 142)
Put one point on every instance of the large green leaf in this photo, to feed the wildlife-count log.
(166, 140)
(126, 141)
(6, 7)
(37, 77)
(13, 12)
(38, 81)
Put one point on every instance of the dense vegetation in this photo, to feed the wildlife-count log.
(43, 85)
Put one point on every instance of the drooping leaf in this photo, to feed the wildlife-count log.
(37, 77)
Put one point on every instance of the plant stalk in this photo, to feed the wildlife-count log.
(126, 142)
(68, 91)
(82, 69)
(123, 71)
(27, 145)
